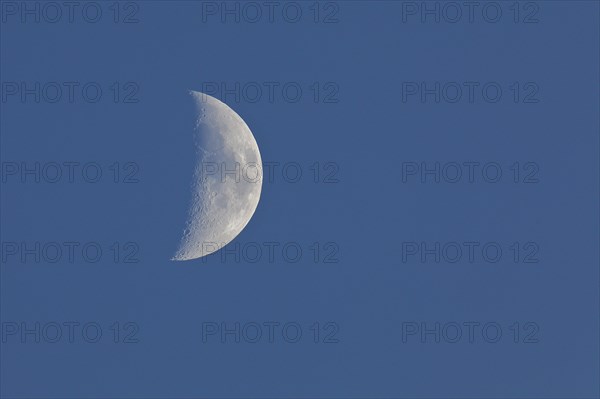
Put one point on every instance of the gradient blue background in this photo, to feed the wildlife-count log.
(368, 133)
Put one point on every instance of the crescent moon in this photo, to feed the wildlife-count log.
(227, 179)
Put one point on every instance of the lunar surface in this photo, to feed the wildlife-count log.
(227, 179)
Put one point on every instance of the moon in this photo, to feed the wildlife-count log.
(227, 179)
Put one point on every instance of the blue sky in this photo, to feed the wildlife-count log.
(365, 104)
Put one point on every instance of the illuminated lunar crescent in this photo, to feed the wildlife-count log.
(227, 179)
